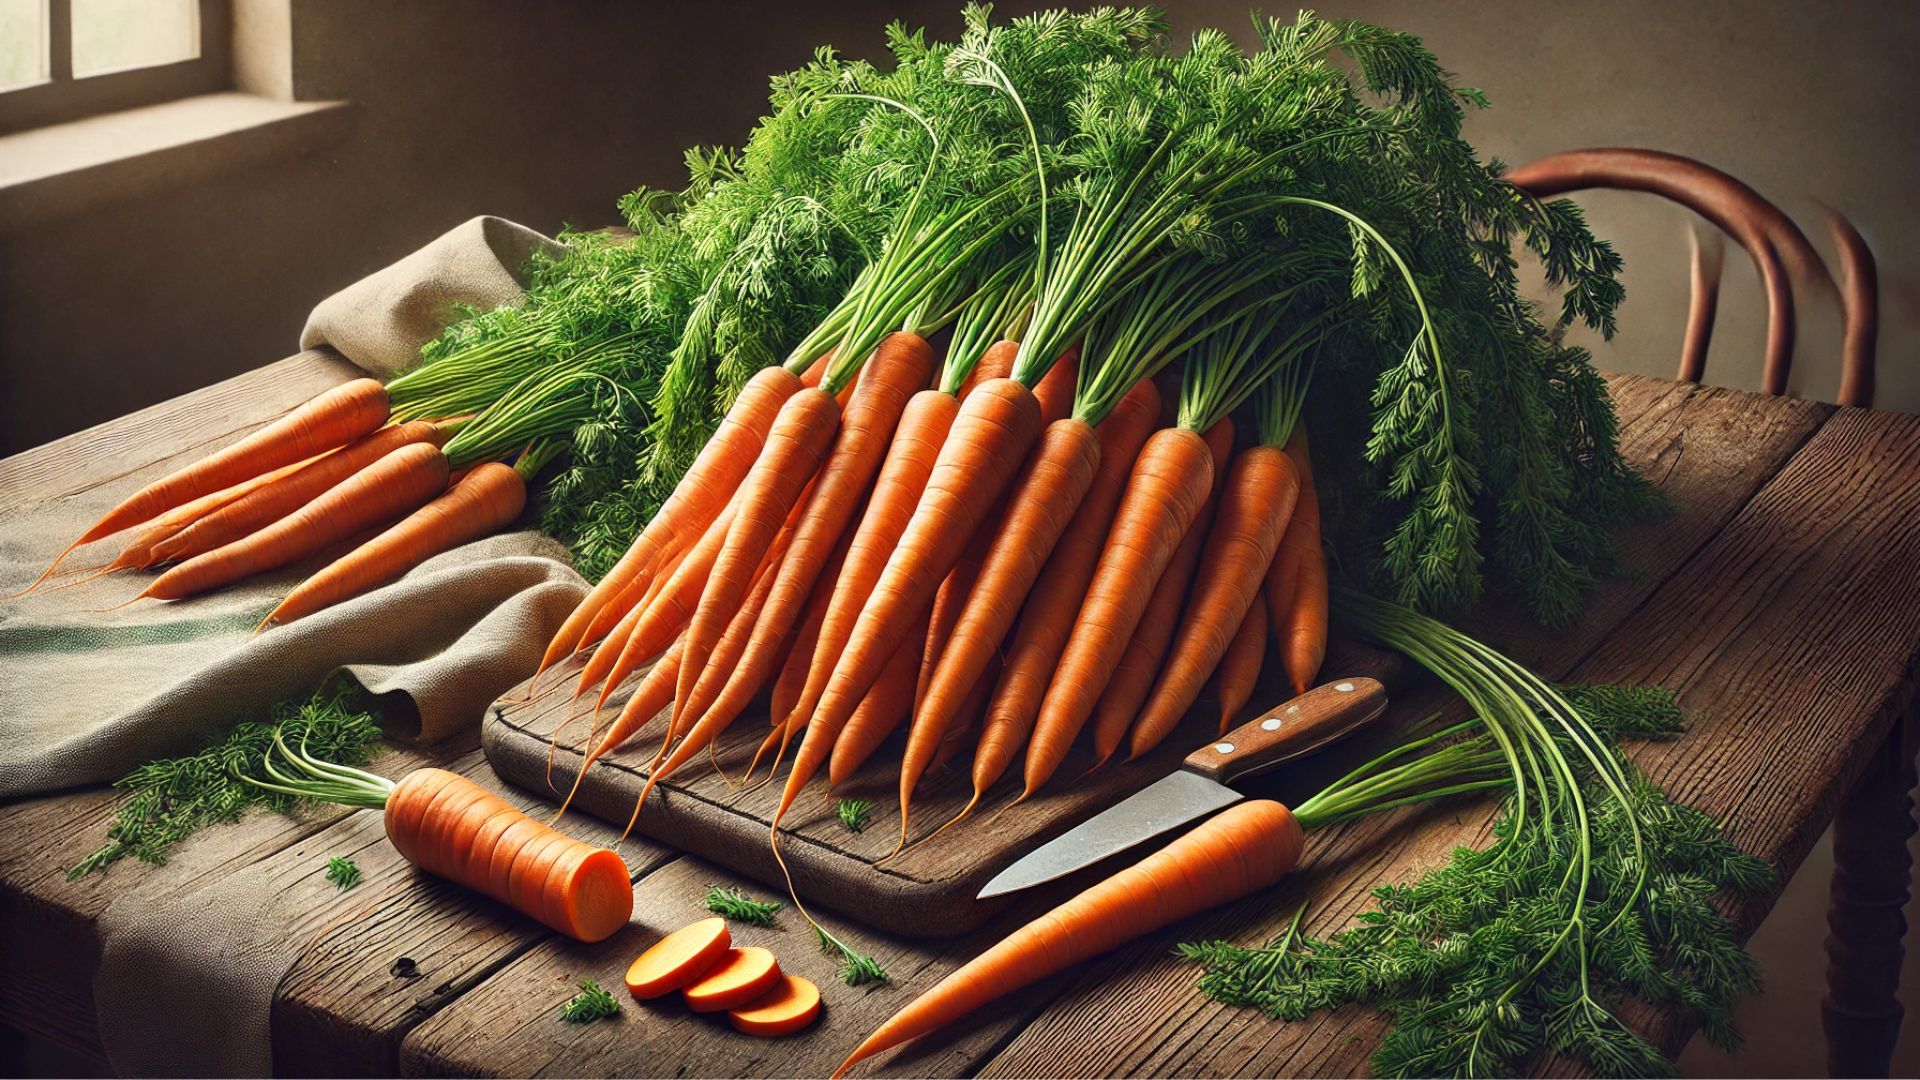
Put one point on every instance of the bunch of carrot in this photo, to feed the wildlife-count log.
(336, 474)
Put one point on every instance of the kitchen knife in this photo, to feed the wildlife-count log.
(1199, 787)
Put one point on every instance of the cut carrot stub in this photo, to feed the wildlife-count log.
(741, 976)
(790, 1006)
(680, 959)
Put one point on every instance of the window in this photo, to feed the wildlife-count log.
(67, 59)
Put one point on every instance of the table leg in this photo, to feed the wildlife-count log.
(1866, 917)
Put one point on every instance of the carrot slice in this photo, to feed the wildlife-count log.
(680, 959)
(789, 1007)
(741, 976)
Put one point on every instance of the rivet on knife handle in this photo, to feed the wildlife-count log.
(1299, 727)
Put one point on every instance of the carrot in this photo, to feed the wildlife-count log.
(697, 499)
(1063, 577)
(1240, 666)
(1169, 481)
(1055, 389)
(489, 497)
(879, 713)
(793, 669)
(451, 827)
(680, 959)
(899, 369)
(1245, 848)
(271, 502)
(1255, 504)
(996, 425)
(1296, 588)
(1133, 677)
(332, 419)
(789, 460)
(649, 700)
(995, 363)
(790, 1006)
(388, 488)
(741, 976)
(917, 443)
(1055, 519)
(650, 629)
(700, 731)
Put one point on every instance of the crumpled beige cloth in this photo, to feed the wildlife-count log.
(380, 321)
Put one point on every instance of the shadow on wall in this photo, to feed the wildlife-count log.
(546, 115)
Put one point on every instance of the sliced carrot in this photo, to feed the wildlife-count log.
(680, 959)
(741, 976)
(451, 827)
(792, 1005)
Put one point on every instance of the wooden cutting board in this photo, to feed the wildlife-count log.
(929, 890)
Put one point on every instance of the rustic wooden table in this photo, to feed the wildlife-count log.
(1781, 600)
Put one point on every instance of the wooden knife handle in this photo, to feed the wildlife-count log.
(1297, 728)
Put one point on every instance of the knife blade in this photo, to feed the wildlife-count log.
(1200, 786)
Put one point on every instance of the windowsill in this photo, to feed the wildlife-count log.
(65, 168)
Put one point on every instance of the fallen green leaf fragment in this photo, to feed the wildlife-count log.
(590, 1004)
(343, 873)
(855, 813)
(735, 905)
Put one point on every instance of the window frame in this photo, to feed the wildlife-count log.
(62, 98)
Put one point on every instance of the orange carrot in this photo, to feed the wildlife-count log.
(1133, 677)
(995, 363)
(489, 497)
(1245, 848)
(1240, 666)
(650, 629)
(680, 959)
(899, 369)
(789, 460)
(793, 669)
(702, 730)
(649, 700)
(1255, 504)
(1169, 481)
(696, 500)
(990, 438)
(1055, 389)
(1055, 519)
(903, 477)
(381, 492)
(452, 828)
(790, 1006)
(1297, 583)
(271, 502)
(330, 420)
(879, 713)
(1056, 593)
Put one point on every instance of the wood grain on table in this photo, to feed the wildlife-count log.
(1777, 600)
